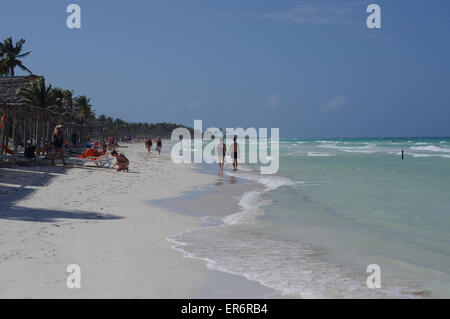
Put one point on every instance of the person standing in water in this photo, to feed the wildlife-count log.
(221, 151)
(234, 152)
(148, 144)
(159, 145)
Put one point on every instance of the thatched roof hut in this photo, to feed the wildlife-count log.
(9, 87)
(22, 121)
(28, 122)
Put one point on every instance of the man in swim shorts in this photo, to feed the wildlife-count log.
(234, 152)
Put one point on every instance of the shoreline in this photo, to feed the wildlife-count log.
(215, 204)
(99, 219)
(164, 231)
(231, 245)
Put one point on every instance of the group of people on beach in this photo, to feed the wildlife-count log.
(122, 161)
(149, 144)
(221, 152)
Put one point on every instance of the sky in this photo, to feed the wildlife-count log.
(310, 68)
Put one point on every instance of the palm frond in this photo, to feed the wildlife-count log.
(23, 54)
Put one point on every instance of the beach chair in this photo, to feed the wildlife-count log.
(92, 156)
(101, 161)
(19, 158)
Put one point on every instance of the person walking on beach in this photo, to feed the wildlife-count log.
(159, 145)
(148, 144)
(221, 151)
(58, 143)
(234, 152)
(121, 161)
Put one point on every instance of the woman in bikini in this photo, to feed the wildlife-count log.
(221, 151)
(159, 144)
(234, 152)
(122, 161)
(148, 144)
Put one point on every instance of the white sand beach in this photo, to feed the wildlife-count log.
(97, 218)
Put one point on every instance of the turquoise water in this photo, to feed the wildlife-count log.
(335, 207)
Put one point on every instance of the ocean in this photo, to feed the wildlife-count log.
(335, 207)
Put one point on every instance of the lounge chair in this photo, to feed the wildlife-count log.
(20, 158)
(92, 156)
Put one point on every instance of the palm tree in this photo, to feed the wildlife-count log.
(107, 123)
(3, 68)
(68, 98)
(83, 109)
(38, 94)
(64, 104)
(11, 54)
(45, 97)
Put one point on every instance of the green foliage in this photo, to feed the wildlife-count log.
(10, 55)
(38, 94)
(3, 68)
(69, 108)
(118, 127)
(65, 105)
(83, 109)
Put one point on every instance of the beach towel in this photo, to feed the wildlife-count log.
(89, 153)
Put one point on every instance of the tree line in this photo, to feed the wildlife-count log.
(67, 106)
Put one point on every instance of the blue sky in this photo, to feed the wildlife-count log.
(311, 68)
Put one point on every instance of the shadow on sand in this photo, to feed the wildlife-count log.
(18, 182)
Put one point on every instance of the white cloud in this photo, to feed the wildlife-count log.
(333, 104)
(274, 101)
